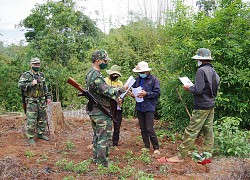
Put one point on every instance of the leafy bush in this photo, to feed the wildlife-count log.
(81, 167)
(229, 139)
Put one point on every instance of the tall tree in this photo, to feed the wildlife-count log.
(58, 32)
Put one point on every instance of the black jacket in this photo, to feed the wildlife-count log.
(205, 87)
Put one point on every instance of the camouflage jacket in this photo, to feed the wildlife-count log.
(97, 86)
(33, 91)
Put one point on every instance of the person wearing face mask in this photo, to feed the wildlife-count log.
(101, 124)
(146, 109)
(34, 87)
(204, 91)
(114, 73)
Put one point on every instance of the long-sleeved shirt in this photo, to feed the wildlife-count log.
(151, 85)
(100, 90)
(205, 87)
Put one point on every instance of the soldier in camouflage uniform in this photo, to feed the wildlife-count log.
(204, 91)
(101, 124)
(33, 84)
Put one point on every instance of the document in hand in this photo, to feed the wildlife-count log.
(186, 81)
(135, 91)
(130, 83)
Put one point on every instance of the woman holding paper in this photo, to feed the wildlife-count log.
(146, 101)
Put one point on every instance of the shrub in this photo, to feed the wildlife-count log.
(229, 139)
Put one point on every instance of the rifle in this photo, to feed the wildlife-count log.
(89, 96)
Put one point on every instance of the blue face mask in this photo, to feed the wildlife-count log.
(143, 75)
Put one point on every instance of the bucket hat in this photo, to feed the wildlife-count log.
(141, 67)
(114, 70)
(203, 54)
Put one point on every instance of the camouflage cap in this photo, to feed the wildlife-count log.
(114, 70)
(100, 55)
(34, 60)
(203, 54)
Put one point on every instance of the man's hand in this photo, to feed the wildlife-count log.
(34, 82)
(142, 94)
(119, 101)
(186, 87)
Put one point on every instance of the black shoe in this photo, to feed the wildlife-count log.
(41, 136)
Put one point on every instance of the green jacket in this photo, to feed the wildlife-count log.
(33, 91)
(97, 86)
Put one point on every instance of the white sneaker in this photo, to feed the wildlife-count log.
(157, 152)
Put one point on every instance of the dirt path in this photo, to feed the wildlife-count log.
(53, 159)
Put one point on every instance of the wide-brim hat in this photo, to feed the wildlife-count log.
(114, 70)
(141, 67)
(203, 54)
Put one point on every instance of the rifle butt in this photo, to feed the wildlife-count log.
(73, 83)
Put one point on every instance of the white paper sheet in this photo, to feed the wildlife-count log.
(186, 81)
(130, 83)
(135, 91)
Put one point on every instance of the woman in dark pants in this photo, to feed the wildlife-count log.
(146, 109)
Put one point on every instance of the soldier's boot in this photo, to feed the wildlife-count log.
(31, 142)
(41, 136)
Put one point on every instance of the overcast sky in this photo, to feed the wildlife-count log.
(13, 11)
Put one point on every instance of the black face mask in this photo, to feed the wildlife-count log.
(113, 78)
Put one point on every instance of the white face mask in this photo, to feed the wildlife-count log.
(199, 63)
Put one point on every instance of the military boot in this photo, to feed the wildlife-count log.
(41, 136)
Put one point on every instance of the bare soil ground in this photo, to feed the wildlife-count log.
(18, 160)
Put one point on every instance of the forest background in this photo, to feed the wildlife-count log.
(64, 39)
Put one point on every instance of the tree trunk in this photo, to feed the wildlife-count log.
(55, 118)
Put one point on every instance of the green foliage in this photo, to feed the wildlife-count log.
(11, 60)
(226, 34)
(81, 167)
(61, 36)
(29, 154)
(145, 157)
(43, 157)
(69, 178)
(64, 39)
(61, 26)
(230, 140)
(70, 145)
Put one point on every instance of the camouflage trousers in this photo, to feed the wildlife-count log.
(102, 138)
(202, 120)
(36, 117)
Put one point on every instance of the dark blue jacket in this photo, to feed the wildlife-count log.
(152, 86)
